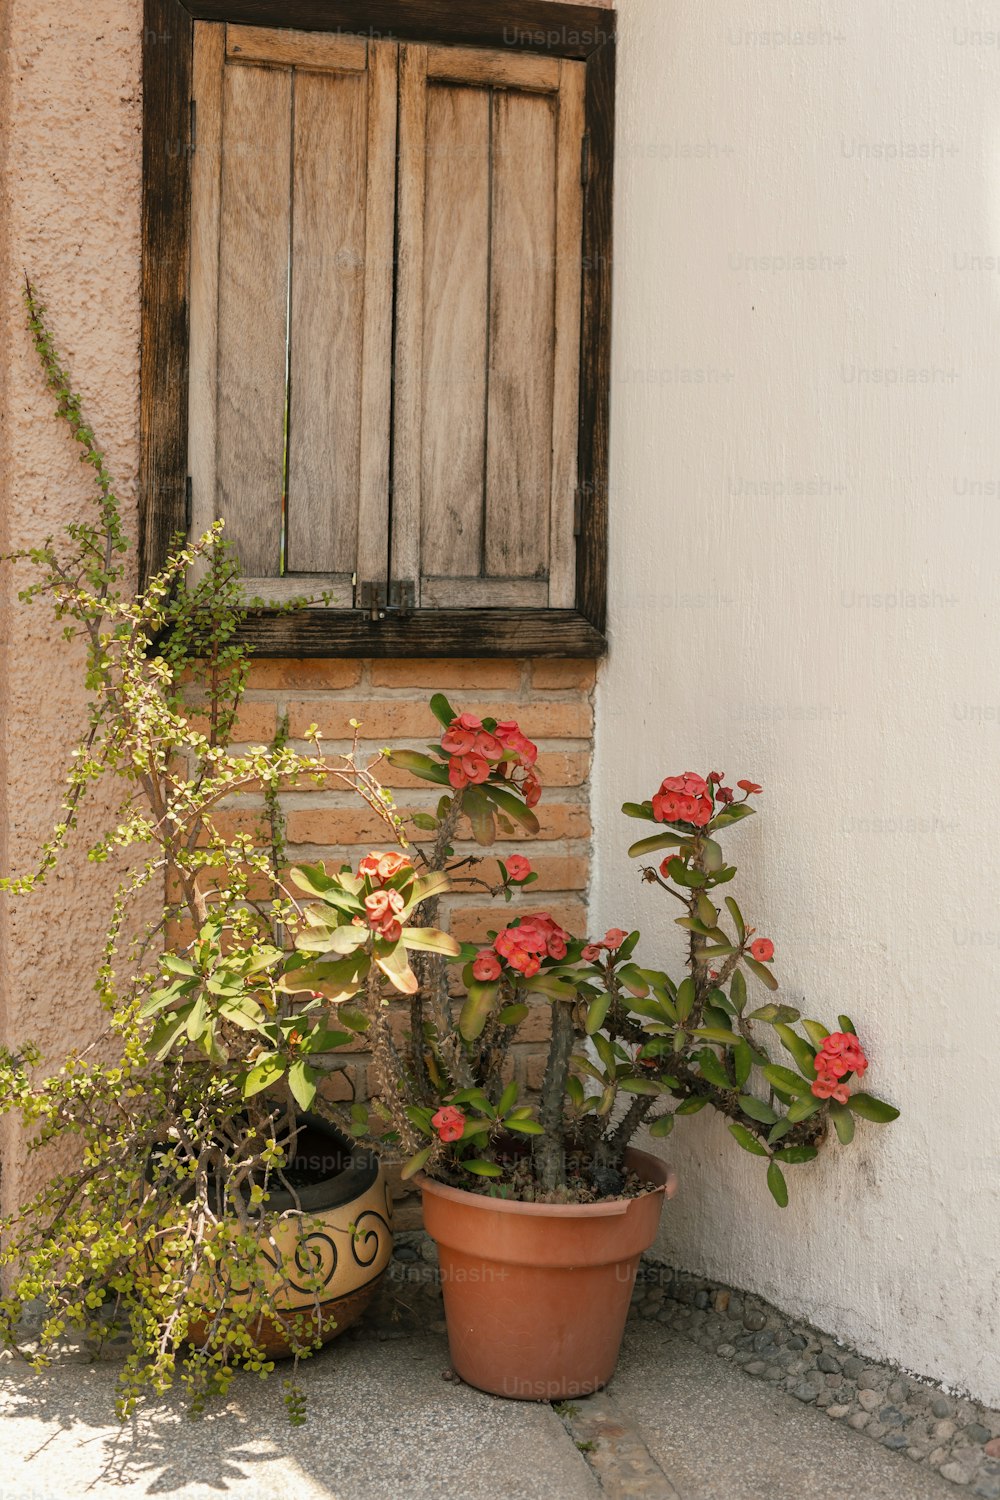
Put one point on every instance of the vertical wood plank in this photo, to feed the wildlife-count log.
(566, 376)
(166, 124)
(327, 321)
(522, 281)
(595, 375)
(455, 292)
(376, 385)
(407, 404)
(253, 295)
(206, 179)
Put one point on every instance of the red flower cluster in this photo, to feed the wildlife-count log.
(476, 753)
(683, 799)
(613, 939)
(523, 948)
(382, 906)
(449, 1123)
(840, 1055)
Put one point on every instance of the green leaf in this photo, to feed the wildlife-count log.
(803, 1108)
(742, 1062)
(656, 842)
(690, 1106)
(480, 1168)
(412, 1167)
(314, 880)
(174, 964)
(512, 806)
(392, 960)
(781, 1129)
(606, 1053)
(817, 1034)
(779, 1187)
(302, 1080)
(507, 1100)
(632, 977)
(419, 765)
(772, 1013)
(716, 1034)
(762, 972)
(426, 886)
(479, 814)
(784, 1078)
(645, 1086)
(706, 910)
(196, 1018)
(738, 991)
(267, 1071)
(475, 1012)
(597, 1013)
(732, 815)
(712, 1069)
(843, 1122)
(442, 710)
(425, 821)
(684, 1003)
(737, 916)
(870, 1108)
(719, 950)
(431, 940)
(639, 810)
(799, 1048)
(758, 1110)
(792, 1154)
(662, 1127)
(746, 1138)
(166, 1034)
(846, 1024)
(513, 1015)
(712, 855)
(525, 1127)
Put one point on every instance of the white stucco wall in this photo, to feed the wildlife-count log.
(804, 586)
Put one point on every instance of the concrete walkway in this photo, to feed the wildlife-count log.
(385, 1424)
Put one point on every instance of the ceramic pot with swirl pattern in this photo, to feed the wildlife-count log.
(328, 1251)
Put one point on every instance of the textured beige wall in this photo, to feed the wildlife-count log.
(69, 207)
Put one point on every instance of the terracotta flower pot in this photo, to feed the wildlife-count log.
(536, 1294)
(342, 1243)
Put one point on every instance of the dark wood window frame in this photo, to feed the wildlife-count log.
(581, 32)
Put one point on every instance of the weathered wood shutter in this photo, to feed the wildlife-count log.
(293, 202)
(486, 408)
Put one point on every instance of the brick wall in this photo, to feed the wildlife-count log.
(552, 700)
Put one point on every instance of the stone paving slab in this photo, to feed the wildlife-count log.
(721, 1436)
(383, 1425)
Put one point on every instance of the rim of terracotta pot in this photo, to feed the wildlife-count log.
(639, 1161)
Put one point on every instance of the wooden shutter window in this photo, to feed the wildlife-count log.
(293, 186)
(488, 295)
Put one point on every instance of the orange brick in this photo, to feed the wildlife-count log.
(563, 674)
(442, 676)
(336, 827)
(470, 924)
(256, 723)
(346, 1085)
(537, 1025)
(534, 1070)
(311, 676)
(387, 720)
(558, 873)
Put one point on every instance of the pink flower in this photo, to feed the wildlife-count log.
(487, 966)
(715, 777)
(826, 1087)
(614, 937)
(841, 1053)
(456, 775)
(458, 741)
(489, 746)
(476, 768)
(683, 799)
(762, 950)
(531, 789)
(466, 721)
(518, 868)
(725, 795)
(592, 952)
(749, 787)
(449, 1123)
